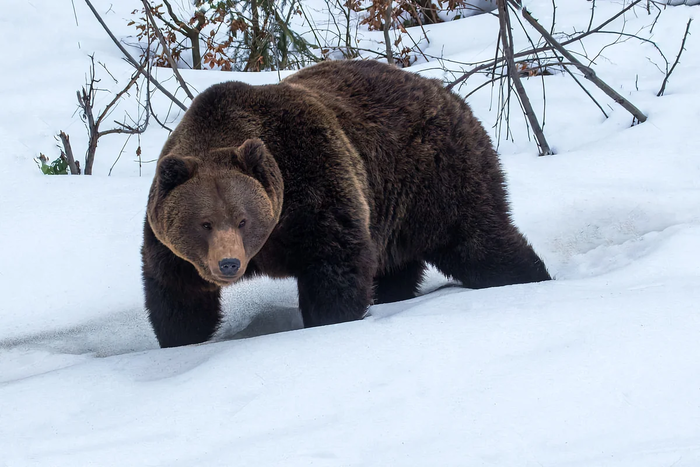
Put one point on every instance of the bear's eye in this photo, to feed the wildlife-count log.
(206, 225)
(242, 224)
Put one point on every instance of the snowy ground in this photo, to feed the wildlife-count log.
(598, 368)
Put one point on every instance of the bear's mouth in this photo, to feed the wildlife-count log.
(225, 280)
(218, 279)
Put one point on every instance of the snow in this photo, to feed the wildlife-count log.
(599, 367)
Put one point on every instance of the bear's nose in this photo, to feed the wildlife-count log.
(229, 266)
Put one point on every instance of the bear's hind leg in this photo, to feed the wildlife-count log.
(490, 260)
(399, 284)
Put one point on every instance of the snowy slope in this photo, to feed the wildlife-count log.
(600, 367)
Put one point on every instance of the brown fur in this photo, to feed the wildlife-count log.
(352, 176)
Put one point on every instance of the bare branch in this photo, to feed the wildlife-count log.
(482, 85)
(581, 85)
(526, 53)
(68, 151)
(164, 44)
(590, 22)
(86, 102)
(119, 156)
(117, 97)
(132, 61)
(587, 72)
(678, 57)
(507, 39)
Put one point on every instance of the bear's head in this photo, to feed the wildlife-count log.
(217, 212)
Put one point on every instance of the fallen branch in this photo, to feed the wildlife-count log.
(678, 57)
(544, 48)
(587, 72)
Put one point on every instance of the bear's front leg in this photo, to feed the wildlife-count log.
(183, 308)
(181, 316)
(331, 296)
(336, 281)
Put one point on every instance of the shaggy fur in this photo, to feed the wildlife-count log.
(351, 176)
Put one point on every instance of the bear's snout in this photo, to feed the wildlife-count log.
(227, 258)
(229, 266)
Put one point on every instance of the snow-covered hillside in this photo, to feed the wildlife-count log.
(600, 367)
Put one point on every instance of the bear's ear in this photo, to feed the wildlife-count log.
(251, 155)
(174, 170)
(254, 159)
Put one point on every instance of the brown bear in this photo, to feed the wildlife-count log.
(350, 176)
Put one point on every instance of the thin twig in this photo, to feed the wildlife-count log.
(482, 85)
(554, 16)
(678, 57)
(75, 15)
(576, 80)
(119, 156)
(590, 22)
(116, 99)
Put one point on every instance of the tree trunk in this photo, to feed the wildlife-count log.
(193, 35)
(255, 41)
(387, 26)
(90, 155)
(428, 10)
